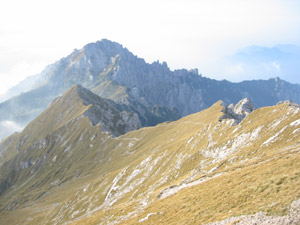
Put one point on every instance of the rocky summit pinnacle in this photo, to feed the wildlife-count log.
(243, 107)
(237, 112)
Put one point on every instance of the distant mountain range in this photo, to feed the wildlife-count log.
(152, 91)
(263, 62)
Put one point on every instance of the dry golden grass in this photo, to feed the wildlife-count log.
(254, 175)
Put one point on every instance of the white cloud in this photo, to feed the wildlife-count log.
(271, 67)
(236, 69)
(18, 72)
(10, 126)
(276, 65)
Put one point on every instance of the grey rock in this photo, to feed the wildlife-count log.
(260, 218)
(290, 103)
(237, 112)
(103, 112)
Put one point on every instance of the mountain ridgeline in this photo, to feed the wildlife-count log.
(152, 91)
(84, 160)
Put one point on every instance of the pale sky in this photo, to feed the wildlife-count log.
(184, 33)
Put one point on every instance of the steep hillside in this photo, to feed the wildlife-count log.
(111, 71)
(75, 104)
(202, 168)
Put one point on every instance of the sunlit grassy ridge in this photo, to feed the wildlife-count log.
(191, 171)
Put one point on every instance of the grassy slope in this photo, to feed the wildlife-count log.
(256, 177)
(120, 179)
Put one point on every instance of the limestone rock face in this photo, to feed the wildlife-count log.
(104, 112)
(243, 107)
(237, 112)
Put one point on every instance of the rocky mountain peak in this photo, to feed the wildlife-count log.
(244, 106)
(104, 112)
(80, 102)
(237, 112)
(111, 71)
(106, 48)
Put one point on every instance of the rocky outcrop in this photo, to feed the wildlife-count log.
(104, 112)
(237, 112)
(293, 218)
(289, 103)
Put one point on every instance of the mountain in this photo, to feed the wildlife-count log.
(153, 91)
(76, 103)
(68, 167)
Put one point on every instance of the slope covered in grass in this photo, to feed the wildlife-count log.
(191, 171)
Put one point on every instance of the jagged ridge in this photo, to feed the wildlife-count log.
(80, 175)
(111, 71)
